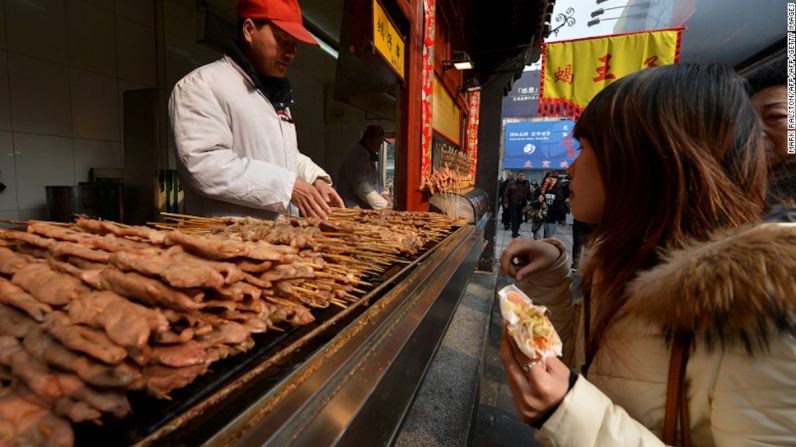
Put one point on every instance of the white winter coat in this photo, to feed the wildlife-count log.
(735, 294)
(235, 155)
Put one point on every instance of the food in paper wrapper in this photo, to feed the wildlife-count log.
(528, 325)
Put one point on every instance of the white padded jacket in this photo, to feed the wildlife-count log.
(235, 155)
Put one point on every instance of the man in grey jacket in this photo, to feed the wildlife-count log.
(358, 179)
(233, 131)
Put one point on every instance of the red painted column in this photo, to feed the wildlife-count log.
(409, 157)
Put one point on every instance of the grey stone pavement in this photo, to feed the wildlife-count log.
(496, 422)
(464, 399)
(443, 409)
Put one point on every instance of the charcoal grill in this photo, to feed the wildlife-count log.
(348, 379)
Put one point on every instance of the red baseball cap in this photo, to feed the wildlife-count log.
(286, 14)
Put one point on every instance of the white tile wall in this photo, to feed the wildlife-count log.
(135, 52)
(5, 96)
(92, 40)
(39, 96)
(95, 107)
(142, 11)
(10, 214)
(3, 42)
(95, 154)
(8, 197)
(180, 17)
(309, 117)
(37, 28)
(101, 3)
(123, 87)
(39, 213)
(41, 161)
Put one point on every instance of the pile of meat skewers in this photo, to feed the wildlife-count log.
(445, 180)
(91, 310)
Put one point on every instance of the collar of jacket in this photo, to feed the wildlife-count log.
(374, 156)
(736, 288)
(277, 90)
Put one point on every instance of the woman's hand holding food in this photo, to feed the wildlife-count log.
(523, 257)
(536, 387)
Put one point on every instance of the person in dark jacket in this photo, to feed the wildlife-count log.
(535, 188)
(554, 196)
(517, 194)
(506, 217)
(529, 210)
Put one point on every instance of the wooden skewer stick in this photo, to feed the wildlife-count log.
(307, 291)
(339, 304)
(350, 297)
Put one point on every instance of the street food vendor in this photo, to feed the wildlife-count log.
(233, 131)
(358, 179)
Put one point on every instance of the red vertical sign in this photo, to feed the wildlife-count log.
(473, 116)
(427, 85)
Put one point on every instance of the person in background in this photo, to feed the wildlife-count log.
(529, 210)
(517, 195)
(504, 200)
(535, 188)
(563, 186)
(695, 287)
(358, 179)
(554, 198)
(237, 152)
(769, 94)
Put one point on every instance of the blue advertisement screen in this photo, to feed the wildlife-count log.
(540, 145)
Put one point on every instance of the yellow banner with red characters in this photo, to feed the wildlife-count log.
(574, 71)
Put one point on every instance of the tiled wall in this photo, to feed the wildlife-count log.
(64, 65)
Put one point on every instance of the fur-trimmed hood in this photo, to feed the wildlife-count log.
(737, 288)
(782, 184)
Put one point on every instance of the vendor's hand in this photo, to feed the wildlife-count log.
(537, 390)
(388, 198)
(523, 257)
(309, 200)
(329, 194)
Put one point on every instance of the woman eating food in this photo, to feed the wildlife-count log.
(687, 331)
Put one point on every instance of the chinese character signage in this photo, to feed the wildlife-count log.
(523, 99)
(446, 117)
(574, 71)
(386, 39)
(540, 145)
